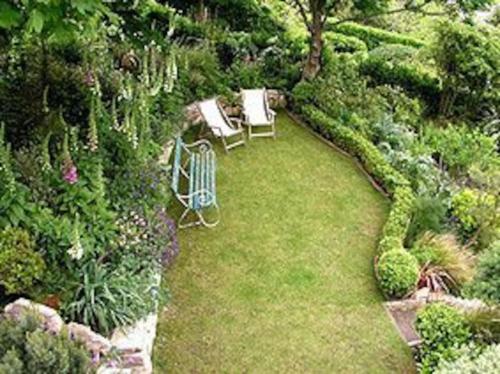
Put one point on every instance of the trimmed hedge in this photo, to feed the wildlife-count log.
(404, 75)
(394, 231)
(373, 37)
(341, 43)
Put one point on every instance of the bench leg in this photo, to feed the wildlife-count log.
(200, 221)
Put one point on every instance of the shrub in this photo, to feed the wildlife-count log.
(468, 60)
(341, 43)
(397, 272)
(373, 37)
(459, 148)
(473, 360)
(486, 283)
(442, 330)
(469, 207)
(20, 265)
(444, 264)
(412, 79)
(25, 348)
(429, 214)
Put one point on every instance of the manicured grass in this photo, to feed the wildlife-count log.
(285, 282)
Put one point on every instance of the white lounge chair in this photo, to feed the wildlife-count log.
(257, 113)
(222, 125)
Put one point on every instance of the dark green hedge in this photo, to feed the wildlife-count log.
(373, 37)
(341, 43)
(404, 75)
(394, 231)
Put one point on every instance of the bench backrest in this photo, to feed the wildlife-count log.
(176, 167)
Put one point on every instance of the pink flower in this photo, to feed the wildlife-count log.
(70, 174)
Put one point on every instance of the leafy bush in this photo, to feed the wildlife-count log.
(341, 43)
(444, 264)
(471, 208)
(473, 360)
(411, 78)
(486, 283)
(20, 265)
(458, 148)
(25, 348)
(397, 272)
(373, 37)
(468, 59)
(442, 330)
(429, 214)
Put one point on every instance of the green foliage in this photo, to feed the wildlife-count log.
(485, 324)
(443, 330)
(107, 298)
(373, 37)
(26, 348)
(471, 360)
(469, 206)
(429, 214)
(468, 59)
(341, 43)
(201, 76)
(459, 148)
(444, 264)
(390, 64)
(486, 283)
(397, 273)
(20, 265)
(396, 227)
(59, 21)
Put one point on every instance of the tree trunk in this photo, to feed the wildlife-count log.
(313, 63)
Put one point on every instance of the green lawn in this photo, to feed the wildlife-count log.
(285, 282)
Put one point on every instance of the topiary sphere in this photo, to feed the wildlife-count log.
(397, 272)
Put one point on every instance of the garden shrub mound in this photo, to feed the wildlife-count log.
(384, 66)
(344, 43)
(373, 37)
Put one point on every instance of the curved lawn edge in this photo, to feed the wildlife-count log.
(285, 282)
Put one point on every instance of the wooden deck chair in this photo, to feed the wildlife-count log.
(221, 125)
(257, 113)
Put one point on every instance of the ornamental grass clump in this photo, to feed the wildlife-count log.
(444, 264)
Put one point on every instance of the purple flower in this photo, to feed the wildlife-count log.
(70, 174)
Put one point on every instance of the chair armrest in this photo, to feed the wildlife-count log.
(237, 120)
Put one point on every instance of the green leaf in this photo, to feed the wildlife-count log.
(9, 16)
(36, 21)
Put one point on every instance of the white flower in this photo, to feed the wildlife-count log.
(76, 251)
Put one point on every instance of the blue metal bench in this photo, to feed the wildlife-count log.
(198, 167)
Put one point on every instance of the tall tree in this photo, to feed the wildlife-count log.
(315, 13)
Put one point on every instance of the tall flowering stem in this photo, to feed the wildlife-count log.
(6, 173)
(93, 140)
(69, 170)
